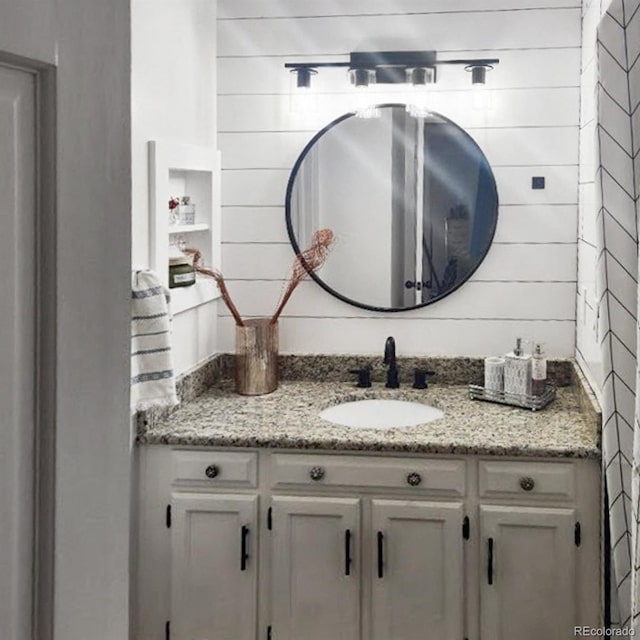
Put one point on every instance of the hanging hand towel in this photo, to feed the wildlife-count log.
(152, 380)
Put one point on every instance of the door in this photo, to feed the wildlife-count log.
(316, 568)
(418, 570)
(214, 567)
(17, 349)
(527, 573)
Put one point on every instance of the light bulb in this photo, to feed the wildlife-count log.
(418, 102)
(303, 101)
(363, 101)
(480, 97)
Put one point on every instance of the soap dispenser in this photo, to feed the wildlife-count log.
(517, 371)
(538, 371)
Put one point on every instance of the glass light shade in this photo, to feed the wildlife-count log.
(361, 78)
(363, 98)
(303, 101)
(420, 75)
(481, 96)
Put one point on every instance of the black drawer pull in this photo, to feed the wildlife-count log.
(490, 562)
(347, 552)
(244, 554)
(380, 554)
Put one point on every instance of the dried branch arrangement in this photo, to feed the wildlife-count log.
(309, 260)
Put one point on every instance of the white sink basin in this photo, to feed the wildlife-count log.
(380, 414)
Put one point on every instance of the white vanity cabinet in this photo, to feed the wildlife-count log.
(291, 545)
(197, 561)
(214, 572)
(400, 557)
(528, 587)
(315, 576)
(413, 569)
(418, 577)
(539, 552)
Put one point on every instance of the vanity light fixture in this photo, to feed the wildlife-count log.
(303, 76)
(302, 100)
(416, 68)
(479, 84)
(420, 76)
(363, 104)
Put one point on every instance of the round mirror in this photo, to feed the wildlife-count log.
(412, 202)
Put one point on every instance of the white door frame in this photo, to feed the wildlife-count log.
(45, 363)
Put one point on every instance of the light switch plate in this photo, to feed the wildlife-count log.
(537, 182)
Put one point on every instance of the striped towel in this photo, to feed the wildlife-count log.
(152, 380)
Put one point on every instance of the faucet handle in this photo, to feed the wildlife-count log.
(364, 376)
(420, 378)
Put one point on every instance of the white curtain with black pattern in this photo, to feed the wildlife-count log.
(617, 178)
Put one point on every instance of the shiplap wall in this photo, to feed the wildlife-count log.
(588, 352)
(527, 284)
(182, 67)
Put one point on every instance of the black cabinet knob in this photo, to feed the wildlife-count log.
(527, 483)
(316, 473)
(414, 479)
(211, 471)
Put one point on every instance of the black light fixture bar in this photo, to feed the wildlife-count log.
(391, 66)
(315, 65)
(472, 62)
(404, 59)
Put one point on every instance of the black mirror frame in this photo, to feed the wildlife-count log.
(297, 250)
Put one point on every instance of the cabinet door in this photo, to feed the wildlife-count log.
(316, 568)
(527, 573)
(418, 577)
(214, 567)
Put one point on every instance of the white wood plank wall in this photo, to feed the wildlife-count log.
(587, 343)
(527, 284)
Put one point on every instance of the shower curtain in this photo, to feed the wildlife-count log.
(617, 177)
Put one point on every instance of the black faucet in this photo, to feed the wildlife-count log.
(393, 381)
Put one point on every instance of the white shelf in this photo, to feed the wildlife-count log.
(177, 170)
(187, 228)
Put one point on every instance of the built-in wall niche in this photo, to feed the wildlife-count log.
(177, 170)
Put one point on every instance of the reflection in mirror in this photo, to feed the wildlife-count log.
(412, 202)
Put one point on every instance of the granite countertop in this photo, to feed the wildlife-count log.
(288, 419)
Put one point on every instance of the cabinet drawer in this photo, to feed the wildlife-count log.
(526, 479)
(214, 468)
(446, 477)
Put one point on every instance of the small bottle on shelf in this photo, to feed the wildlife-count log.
(186, 211)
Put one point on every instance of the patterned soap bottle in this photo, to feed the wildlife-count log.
(517, 371)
